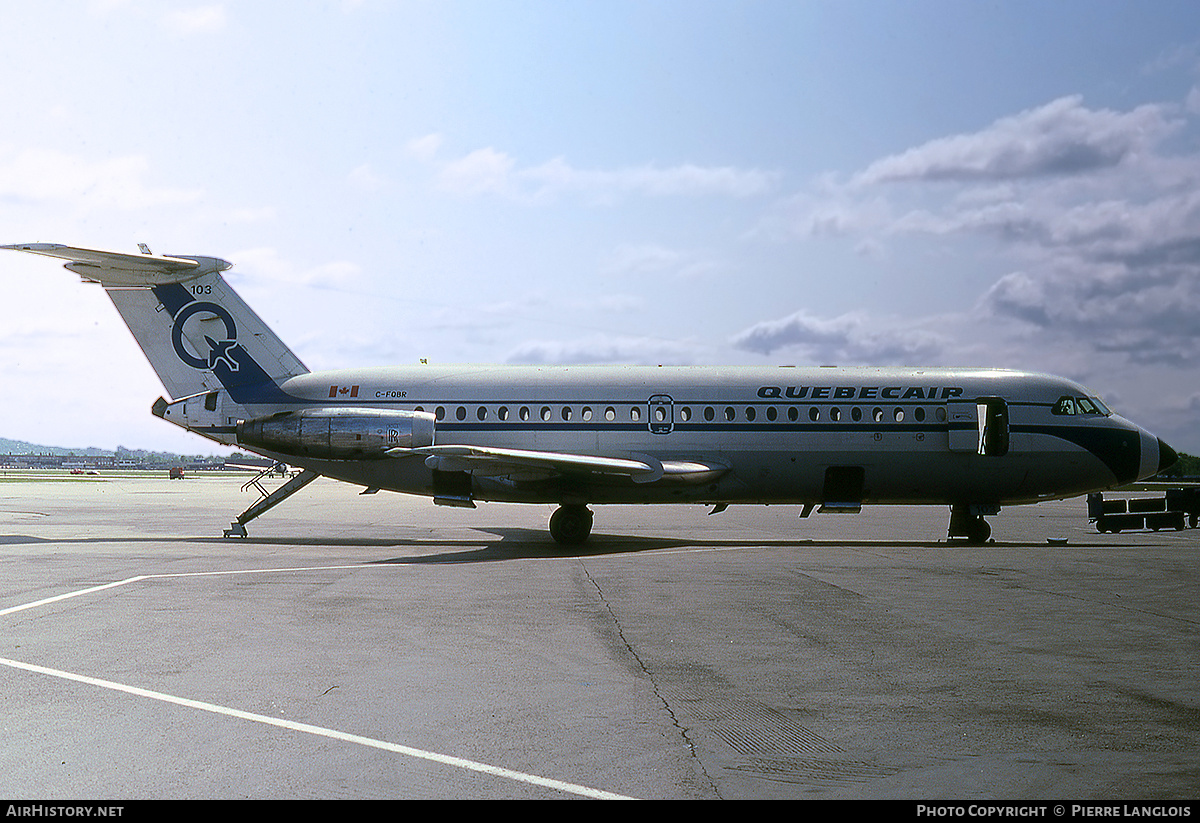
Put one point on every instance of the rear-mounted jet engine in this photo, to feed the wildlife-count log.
(337, 434)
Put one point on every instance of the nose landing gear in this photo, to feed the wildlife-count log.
(967, 521)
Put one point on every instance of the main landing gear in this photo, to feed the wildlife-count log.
(571, 524)
(967, 521)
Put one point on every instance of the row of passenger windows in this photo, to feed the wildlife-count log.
(684, 414)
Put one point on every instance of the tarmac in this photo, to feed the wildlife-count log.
(382, 647)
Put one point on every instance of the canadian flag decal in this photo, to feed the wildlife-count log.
(343, 391)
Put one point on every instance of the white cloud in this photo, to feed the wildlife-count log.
(365, 179)
(1192, 103)
(46, 176)
(651, 258)
(1060, 138)
(424, 148)
(1105, 222)
(604, 349)
(261, 264)
(852, 338)
(484, 171)
(490, 171)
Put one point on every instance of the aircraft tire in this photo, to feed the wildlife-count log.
(978, 531)
(571, 525)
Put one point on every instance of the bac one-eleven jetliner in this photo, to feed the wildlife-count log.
(972, 439)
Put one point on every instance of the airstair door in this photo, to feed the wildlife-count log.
(979, 425)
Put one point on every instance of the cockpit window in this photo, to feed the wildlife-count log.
(1080, 405)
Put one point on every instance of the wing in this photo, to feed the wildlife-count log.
(119, 269)
(487, 461)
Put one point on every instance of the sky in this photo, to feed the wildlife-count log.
(920, 183)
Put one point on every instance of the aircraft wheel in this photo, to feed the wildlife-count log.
(978, 531)
(571, 525)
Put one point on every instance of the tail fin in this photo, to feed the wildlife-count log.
(197, 333)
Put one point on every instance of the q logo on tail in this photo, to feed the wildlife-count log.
(219, 351)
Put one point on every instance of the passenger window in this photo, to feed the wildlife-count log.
(835, 414)
(482, 413)
(856, 414)
(440, 413)
(566, 413)
(730, 414)
(814, 414)
(587, 412)
(502, 412)
(610, 414)
(750, 413)
(461, 413)
(545, 413)
(524, 413)
(634, 414)
(919, 415)
(877, 414)
(685, 414)
(793, 414)
(709, 414)
(772, 413)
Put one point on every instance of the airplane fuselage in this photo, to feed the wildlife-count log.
(768, 435)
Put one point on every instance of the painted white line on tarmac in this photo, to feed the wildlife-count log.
(445, 759)
(92, 589)
(449, 760)
(47, 601)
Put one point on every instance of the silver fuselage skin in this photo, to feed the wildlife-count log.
(774, 431)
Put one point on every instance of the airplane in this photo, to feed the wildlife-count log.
(973, 439)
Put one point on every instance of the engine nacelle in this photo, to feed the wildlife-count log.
(337, 434)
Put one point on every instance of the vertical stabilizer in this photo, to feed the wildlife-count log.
(201, 336)
(195, 330)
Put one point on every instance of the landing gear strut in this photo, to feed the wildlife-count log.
(967, 521)
(571, 524)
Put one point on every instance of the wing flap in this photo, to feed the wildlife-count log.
(490, 461)
(112, 268)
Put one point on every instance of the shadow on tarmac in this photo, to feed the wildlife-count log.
(499, 544)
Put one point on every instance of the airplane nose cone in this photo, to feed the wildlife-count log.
(1166, 456)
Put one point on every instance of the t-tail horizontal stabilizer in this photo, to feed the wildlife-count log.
(112, 268)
